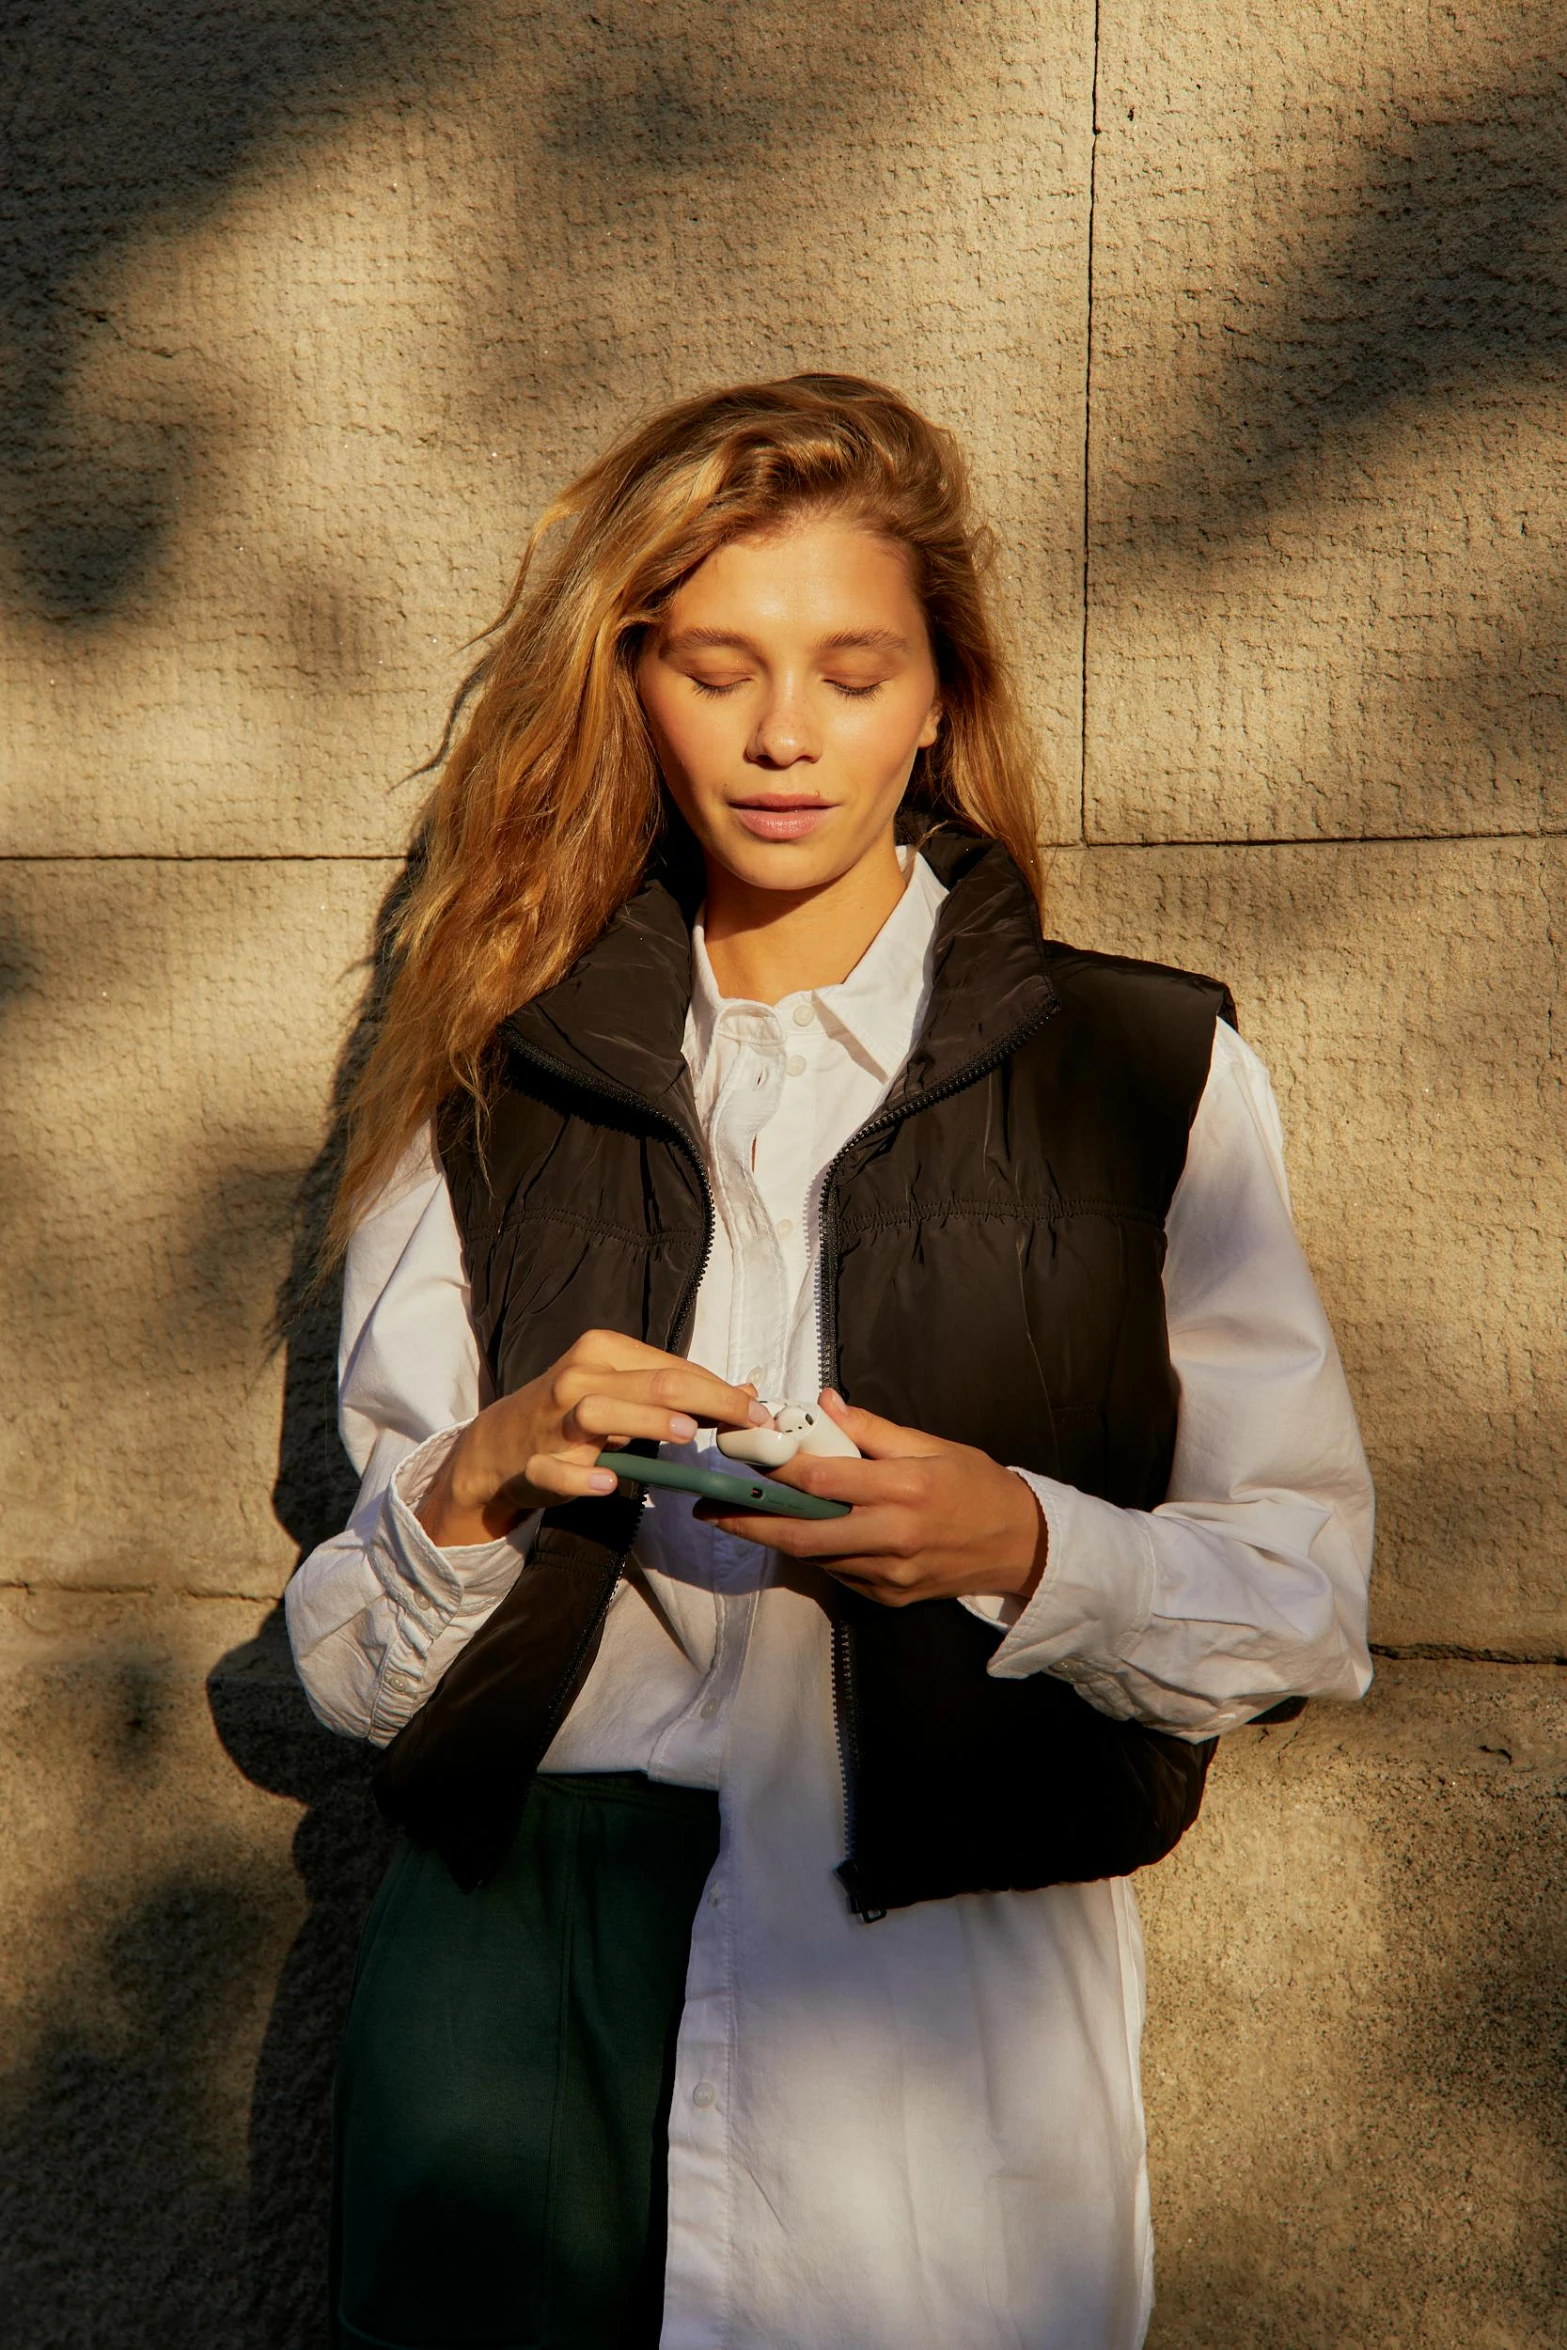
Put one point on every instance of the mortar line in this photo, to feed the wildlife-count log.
(1444, 1652)
(201, 857)
(1088, 430)
(1274, 840)
(157, 1591)
(1313, 840)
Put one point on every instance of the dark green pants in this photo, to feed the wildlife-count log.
(503, 2095)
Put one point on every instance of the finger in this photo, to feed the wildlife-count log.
(609, 1422)
(900, 1482)
(675, 1385)
(878, 1438)
(614, 1350)
(564, 1480)
(617, 1350)
(864, 1538)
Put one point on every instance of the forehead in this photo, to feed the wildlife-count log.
(815, 578)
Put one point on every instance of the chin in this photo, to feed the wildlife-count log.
(781, 865)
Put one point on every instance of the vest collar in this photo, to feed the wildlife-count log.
(616, 1022)
(989, 980)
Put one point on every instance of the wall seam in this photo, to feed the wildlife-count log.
(201, 857)
(1282, 840)
(1088, 416)
(1311, 840)
(1457, 1652)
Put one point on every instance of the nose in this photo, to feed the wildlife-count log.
(783, 735)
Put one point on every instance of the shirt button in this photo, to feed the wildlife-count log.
(785, 1227)
(795, 1065)
(803, 1015)
(704, 2095)
(710, 1710)
(755, 1378)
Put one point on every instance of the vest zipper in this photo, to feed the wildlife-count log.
(845, 1703)
(845, 1707)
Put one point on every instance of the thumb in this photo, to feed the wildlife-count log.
(878, 1439)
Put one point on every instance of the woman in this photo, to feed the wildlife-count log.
(760, 1967)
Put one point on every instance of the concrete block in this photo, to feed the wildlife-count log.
(187, 1867)
(1328, 489)
(1357, 2026)
(305, 357)
(1403, 997)
(171, 1035)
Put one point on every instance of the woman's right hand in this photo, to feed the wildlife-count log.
(537, 1446)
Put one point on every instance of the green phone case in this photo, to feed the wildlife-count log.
(739, 1493)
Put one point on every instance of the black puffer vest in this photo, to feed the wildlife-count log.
(993, 1244)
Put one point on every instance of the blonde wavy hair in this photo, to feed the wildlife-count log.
(549, 800)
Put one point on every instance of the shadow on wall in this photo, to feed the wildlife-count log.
(340, 1849)
(125, 2217)
(1450, 275)
(124, 117)
(1439, 284)
(146, 2249)
(1399, 2180)
(127, 121)
(269, 1733)
(134, 117)
(137, 116)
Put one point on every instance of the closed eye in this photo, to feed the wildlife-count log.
(855, 693)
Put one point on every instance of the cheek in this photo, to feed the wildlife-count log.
(886, 733)
(681, 731)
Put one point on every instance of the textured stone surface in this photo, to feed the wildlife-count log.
(1403, 997)
(186, 1871)
(1358, 2023)
(302, 315)
(328, 303)
(1355, 2042)
(170, 1031)
(1328, 472)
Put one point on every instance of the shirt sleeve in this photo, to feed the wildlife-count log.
(1248, 1583)
(376, 1615)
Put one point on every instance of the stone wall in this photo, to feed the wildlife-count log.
(1254, 318)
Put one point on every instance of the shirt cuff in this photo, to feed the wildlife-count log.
(1094, 1597)
(431, 1588)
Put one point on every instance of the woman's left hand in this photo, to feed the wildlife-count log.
(929, 1520)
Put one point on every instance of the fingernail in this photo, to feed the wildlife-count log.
(602, 1480)
(831, 1395)
(681, 1427)
(760, 1416)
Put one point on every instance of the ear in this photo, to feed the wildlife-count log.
(931, 727)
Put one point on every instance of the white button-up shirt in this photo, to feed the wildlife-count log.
(924, 2134)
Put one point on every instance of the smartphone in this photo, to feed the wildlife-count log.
(735, 1493)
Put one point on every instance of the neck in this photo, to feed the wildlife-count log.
(764, 944)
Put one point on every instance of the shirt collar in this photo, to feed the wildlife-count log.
(877, 1008)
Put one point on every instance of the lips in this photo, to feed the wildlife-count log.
(783, 818)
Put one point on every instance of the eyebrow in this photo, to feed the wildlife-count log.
(844, 640)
